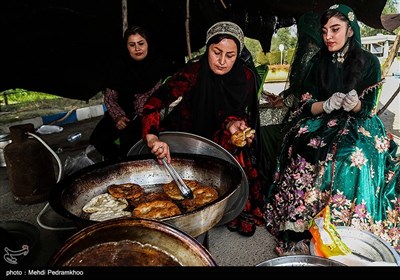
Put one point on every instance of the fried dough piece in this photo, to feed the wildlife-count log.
(105, 202)
(249, 132)
(201, 196)
(240, 136)
(127, 191)
(156, 209)
(109, 214)
(173, 191)
(147, 197)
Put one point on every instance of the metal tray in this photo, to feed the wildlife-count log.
(366, 245)
(301, 260)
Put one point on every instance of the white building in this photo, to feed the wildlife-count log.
(380, 45)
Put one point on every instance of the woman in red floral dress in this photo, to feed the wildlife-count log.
(218, 97)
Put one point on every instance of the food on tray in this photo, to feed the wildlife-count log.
(239, 138)
(149, 197)
(105, 202)
(109, 214)
(202, 195)
(156, 209)
(128, 190)
(173, 191)
(120, 199)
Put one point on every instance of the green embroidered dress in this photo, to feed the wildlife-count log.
(343, 159)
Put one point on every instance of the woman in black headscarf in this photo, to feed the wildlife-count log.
(132, 78)
(218, 97)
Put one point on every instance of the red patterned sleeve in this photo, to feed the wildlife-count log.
(111, 102)
(179, 84)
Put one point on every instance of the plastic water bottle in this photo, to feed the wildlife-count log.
(74, 137)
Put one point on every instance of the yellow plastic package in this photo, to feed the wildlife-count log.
(326, 239)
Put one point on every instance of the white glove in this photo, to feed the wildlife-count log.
(334, 102)
(350, 100)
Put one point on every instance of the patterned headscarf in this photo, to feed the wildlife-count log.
(226, 27)
(351, 17)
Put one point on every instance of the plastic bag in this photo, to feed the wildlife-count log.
(74, 164)
(326, 238)
(49, 129)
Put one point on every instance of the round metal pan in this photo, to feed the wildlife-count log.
(69, 196)
(365, 245)
(186, 250)
(182, 142)
(300, 260)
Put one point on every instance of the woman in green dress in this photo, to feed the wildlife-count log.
(337, 152)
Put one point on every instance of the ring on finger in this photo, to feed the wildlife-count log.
(160, 148)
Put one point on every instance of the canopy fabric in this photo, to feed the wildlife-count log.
(61, 46)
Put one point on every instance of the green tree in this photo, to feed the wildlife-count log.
(283, 36)
(390, 8)
(286, 37)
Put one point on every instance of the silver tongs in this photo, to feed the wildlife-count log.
(185, 190)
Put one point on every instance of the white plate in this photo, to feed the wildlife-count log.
(366, 245)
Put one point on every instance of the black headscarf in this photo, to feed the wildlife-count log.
(218, 96)
(130, 77)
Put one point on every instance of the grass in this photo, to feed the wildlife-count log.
(23, 96)
(277, 73)
(20, 104)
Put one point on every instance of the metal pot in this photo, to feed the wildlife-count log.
(365, 245)
(300, 260)
(183, 142)
(70, 195)
(165, 238)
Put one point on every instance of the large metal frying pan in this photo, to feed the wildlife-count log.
(185, 249)
(70, 195)
(183, 142)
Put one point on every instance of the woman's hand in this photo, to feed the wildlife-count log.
(235, 126)
(350, 101)
(334, 102)
(159, 148)
(275, 101)
(122, 122)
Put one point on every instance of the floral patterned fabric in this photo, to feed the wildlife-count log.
(343, 159)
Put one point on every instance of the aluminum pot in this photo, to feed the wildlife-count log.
(183, 142)
(300, 260)
(69, 196)
(184, 249)
(365, 245)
